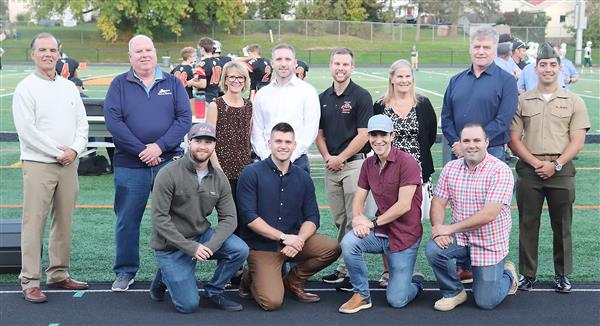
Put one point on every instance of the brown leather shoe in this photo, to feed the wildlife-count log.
(34, 295)
(71, 284)
(296, 288)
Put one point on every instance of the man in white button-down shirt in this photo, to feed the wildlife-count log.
(286, 99)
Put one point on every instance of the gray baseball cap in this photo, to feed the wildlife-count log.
(202, 130)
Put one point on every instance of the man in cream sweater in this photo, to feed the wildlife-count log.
(51, 122)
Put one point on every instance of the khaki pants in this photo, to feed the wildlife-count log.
(265, 268)
(47, 185)
(559, 191)
(341, 187)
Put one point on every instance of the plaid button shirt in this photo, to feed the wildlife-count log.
(468, 191)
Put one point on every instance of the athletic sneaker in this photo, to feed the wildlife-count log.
(223, 303)
(384, 280)
(418, 279)
(345, 285)
(447, 304)
(562, 284)
(513, 274)
(355, 304)
(526, 283)
(334, 278)
(122, 283)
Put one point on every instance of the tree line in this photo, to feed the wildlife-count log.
(123, 18)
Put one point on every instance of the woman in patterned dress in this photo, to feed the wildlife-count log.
(415, 127)
(231, 115)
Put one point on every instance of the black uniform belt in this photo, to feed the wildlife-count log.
(547, 157)
(359, 156)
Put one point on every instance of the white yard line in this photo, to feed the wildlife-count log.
(307, 289)
(435, 73)
(384, 78)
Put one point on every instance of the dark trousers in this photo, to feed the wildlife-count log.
(559, 191)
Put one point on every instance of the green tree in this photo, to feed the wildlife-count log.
(375, 10)
(523, 18)
(273, 9)
(451, 14)
(592, 31)
(127, 17)
(251, 9)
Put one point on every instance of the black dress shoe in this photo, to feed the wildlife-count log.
(562, 284)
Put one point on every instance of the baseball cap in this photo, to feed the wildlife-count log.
(77, 82)
(380, 122)
(202, 130)
(217, 46)
(518, 44)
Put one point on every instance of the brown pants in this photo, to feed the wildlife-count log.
(265, 268)
(559, 192)
(47, 185)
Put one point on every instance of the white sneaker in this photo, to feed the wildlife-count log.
(447, 304)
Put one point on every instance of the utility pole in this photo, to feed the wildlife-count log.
(580, 25)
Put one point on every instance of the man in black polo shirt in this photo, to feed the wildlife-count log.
(342, 141)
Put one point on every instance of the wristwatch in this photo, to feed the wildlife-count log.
(557, 166)
(374, 222)
(282, 237)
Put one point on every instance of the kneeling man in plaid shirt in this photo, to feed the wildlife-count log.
(479, 188)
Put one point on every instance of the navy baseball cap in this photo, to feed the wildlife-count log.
(380, 122)
(202, 130)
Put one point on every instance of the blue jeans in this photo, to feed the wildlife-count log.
(303, 163)
(490, 283)
(401, 290)
(132, 189)
(178, 271)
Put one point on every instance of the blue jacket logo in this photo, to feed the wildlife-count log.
(164, 92)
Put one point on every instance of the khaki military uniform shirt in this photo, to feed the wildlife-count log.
(546, 125)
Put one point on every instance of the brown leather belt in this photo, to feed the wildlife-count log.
(547, 157)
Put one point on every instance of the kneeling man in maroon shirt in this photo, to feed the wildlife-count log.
(394, 178)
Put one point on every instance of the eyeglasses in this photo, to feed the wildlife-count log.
(236, 78)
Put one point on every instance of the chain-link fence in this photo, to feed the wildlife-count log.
(371, 31)
(312, 38)
(280, 30)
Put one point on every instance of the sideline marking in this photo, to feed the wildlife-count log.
(307, 289)
(78, 294)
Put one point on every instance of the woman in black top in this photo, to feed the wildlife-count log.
(415, 126)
